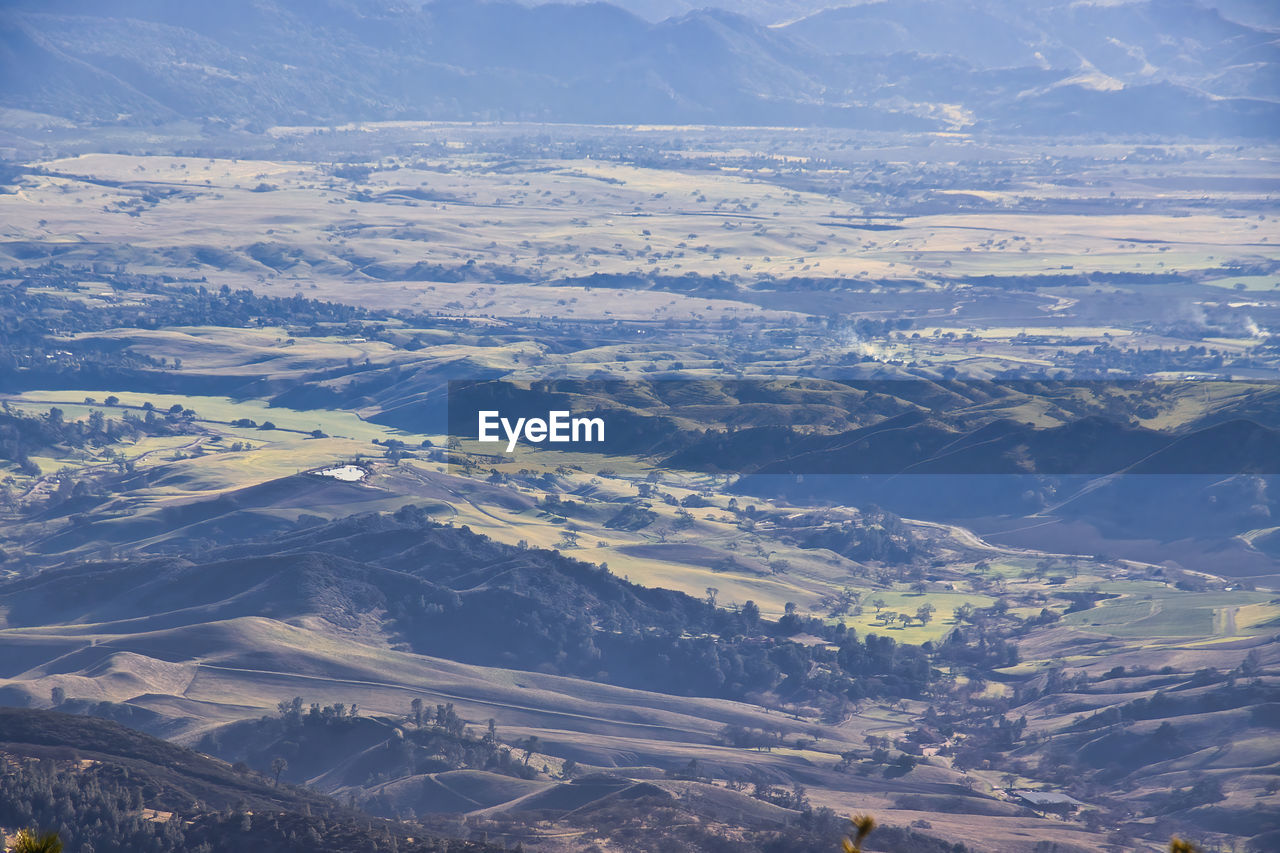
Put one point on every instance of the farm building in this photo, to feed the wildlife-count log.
(1047, 801)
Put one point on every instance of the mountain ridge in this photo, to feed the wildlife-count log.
(281, 63)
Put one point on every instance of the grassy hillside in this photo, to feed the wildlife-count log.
(362, 613)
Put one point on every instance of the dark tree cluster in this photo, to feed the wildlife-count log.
(657, 824)
(300, 742)
(137, 794)
(102, 810)
(22, 435)
(493, 604)
(978, 647)
(879, 536)
(89, 810)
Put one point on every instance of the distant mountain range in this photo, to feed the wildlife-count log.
(1167, 67)
(1255, 12)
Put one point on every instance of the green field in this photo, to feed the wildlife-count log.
(1175, 614)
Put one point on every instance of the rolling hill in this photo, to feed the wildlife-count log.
(209, 652)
